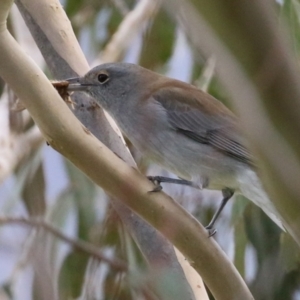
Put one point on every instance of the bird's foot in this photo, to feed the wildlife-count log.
(211, 230)
(155, 180)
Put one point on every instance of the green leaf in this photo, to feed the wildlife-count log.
(34, 191)
(158, 42)
(262, 232)
(240, 246)
(289, 253)
(290, 15)
(71, 277)
(84, 194)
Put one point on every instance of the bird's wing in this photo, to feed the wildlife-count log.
(204, 119)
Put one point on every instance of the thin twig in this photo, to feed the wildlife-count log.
(207, 74)
(77, 244)
(128, 30)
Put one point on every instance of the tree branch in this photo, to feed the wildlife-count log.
(77, 244)
(156, 249)
(69, 137)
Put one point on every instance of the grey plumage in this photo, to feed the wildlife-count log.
(202, 127)
(178, 126)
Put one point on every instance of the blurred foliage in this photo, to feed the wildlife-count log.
(72, 273)
(1, 86)
(240, 236)
(162, 40)
(275, 266)
(290, 16)
(83, 192)
(34, 192)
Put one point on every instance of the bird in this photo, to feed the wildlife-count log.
(181, 128)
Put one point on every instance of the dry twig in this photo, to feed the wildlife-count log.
(128, 30)
(79, 245)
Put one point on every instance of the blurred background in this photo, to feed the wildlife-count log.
(37, 181)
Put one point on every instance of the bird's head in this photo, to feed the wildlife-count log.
(111, 84)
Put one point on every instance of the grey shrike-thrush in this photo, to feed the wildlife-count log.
(180, 127)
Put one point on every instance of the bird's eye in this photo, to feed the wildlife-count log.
(102, 77)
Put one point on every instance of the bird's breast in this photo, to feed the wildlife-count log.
(150, 132)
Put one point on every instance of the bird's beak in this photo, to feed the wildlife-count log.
(75, 85)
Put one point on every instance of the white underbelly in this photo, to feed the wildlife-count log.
(191, 160)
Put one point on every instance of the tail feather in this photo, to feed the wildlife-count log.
(251, 187)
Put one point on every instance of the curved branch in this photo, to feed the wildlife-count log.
(70, 138)
(155, 246)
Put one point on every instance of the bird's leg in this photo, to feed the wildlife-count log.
(227, 194)
(157, 180)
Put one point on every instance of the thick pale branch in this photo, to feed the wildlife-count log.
(155, 247)
(69, 137)
(51, 11)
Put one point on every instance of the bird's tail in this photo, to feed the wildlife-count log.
(251, 187)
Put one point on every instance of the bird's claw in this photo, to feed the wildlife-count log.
(211, 231)
(155, 180)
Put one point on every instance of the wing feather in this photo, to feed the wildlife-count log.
(203, 119)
